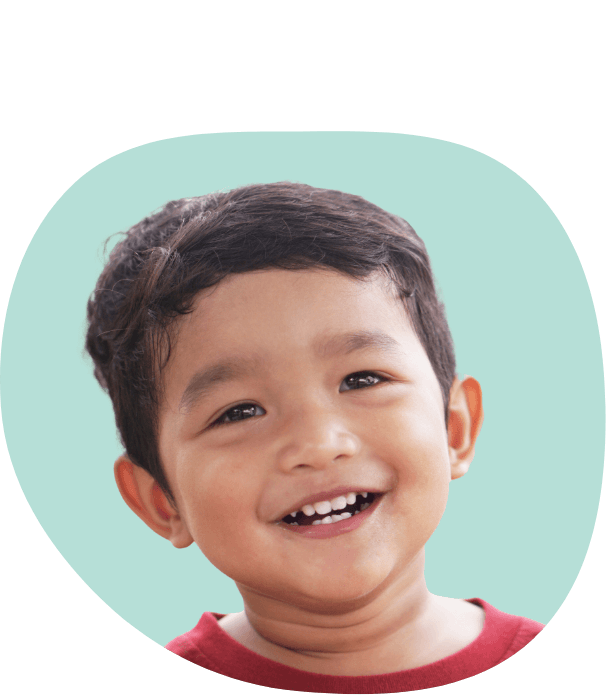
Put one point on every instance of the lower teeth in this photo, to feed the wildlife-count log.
(332, 518)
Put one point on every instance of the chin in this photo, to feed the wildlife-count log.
(338, 592)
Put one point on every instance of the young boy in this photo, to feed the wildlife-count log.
(283, 379)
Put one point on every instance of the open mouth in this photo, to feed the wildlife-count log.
(332, 511)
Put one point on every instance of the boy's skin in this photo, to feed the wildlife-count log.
(351, 604)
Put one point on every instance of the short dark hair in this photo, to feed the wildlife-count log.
(154, 274)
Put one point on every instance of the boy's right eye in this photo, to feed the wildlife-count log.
(249, 408)
(242, 408)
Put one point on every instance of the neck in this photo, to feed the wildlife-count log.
(400, 625)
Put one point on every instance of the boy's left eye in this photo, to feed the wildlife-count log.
(366, 378)
(360, 380)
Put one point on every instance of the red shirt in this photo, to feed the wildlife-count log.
(208, 645)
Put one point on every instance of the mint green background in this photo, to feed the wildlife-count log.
(517, 526)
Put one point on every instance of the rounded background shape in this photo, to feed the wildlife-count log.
(517, 526)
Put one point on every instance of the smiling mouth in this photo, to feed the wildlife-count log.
(314, 515)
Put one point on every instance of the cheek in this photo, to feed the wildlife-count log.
(219, 502)
(412, 430)
(413, 441)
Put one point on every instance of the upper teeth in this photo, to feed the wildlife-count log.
(327, 506)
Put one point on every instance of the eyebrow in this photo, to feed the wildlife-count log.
(207, 379)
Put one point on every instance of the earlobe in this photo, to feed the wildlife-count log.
(464, 423)
(145, 497)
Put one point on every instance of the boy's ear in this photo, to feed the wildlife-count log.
(145, 497)
(464, 422)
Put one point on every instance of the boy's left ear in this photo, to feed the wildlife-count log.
(465, 416)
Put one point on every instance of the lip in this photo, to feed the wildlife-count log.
(330, 495)
(336, 528)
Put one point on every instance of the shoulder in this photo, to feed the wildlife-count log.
(196, 645)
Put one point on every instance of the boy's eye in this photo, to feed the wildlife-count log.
(365, 379)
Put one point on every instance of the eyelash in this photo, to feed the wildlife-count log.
(248, 406)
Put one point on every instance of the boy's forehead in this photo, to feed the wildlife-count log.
(270, 319)
(296, 288)
(313, 303)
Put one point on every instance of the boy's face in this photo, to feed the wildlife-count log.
(299, 386)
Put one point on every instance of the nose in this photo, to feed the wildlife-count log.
(315, 437)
